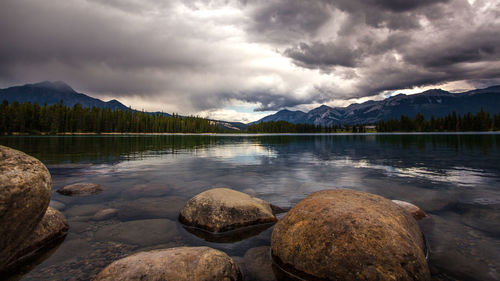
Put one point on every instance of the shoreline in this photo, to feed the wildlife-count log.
(251, 134)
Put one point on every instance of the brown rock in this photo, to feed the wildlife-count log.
(349, 235)
(414, 210)
(51, 229)
(80, 189)
(223, 209)
(25, 186)
(182, 263)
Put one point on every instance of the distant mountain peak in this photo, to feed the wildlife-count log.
(52, 92)
(434, 102)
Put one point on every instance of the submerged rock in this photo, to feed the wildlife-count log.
(182, 264)
(80, 189)
(224, 209)
(414, 210)
(25, 186)
(140, 232)
(349, 235)
(57, 205)
(150, 208)
(258, 264)
(51, 229)
(104, 214)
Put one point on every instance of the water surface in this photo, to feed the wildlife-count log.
(455, 178)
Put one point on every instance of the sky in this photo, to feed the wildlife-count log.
(242, 60)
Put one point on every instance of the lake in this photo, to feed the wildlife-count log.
(455, 178)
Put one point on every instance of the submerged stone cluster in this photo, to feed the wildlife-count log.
(336, 234)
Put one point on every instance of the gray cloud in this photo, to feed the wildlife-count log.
(285, 21)
(189, 56)
(318, 54)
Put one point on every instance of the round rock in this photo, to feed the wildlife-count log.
(414, 210)
(80, 189)
(51, 229)
(25, 186)
(182, 263)
(224, 209)
(349, 235)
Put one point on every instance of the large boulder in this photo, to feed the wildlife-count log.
(25, 186)
(51, 229)
(182, 263)
(224, 209)
(349, 235)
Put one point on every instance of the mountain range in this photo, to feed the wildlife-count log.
(434, 102)
(53, 92)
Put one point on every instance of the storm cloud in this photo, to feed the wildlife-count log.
(202, 56)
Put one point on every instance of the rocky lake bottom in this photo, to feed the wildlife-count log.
(454, 178)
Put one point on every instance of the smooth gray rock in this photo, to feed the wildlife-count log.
(25, 186)
(180, 264)
(224, 209)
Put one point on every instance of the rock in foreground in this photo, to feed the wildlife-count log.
(80, 189)
(25, 186)
(183, 263)
(51, 229)
(224, 209)
(349, 235)
(414, 210)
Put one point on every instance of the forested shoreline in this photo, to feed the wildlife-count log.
(453, 122)
(31, 118)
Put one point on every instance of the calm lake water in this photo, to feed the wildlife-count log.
(455, 178)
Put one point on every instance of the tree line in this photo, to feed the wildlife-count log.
(32, 118)
(287, 127)
(453, 122)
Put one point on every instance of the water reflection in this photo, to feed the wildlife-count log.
(453, 177)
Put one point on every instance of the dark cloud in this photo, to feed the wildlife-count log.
(285, 21)
(319, 55)
(190, 56)
(482, 44)
(402, 5)
(270, 101)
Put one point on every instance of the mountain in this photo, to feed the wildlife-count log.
(295, 117)
(434, 102)
(52, 93)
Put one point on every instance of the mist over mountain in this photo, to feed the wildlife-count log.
(434, 102)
